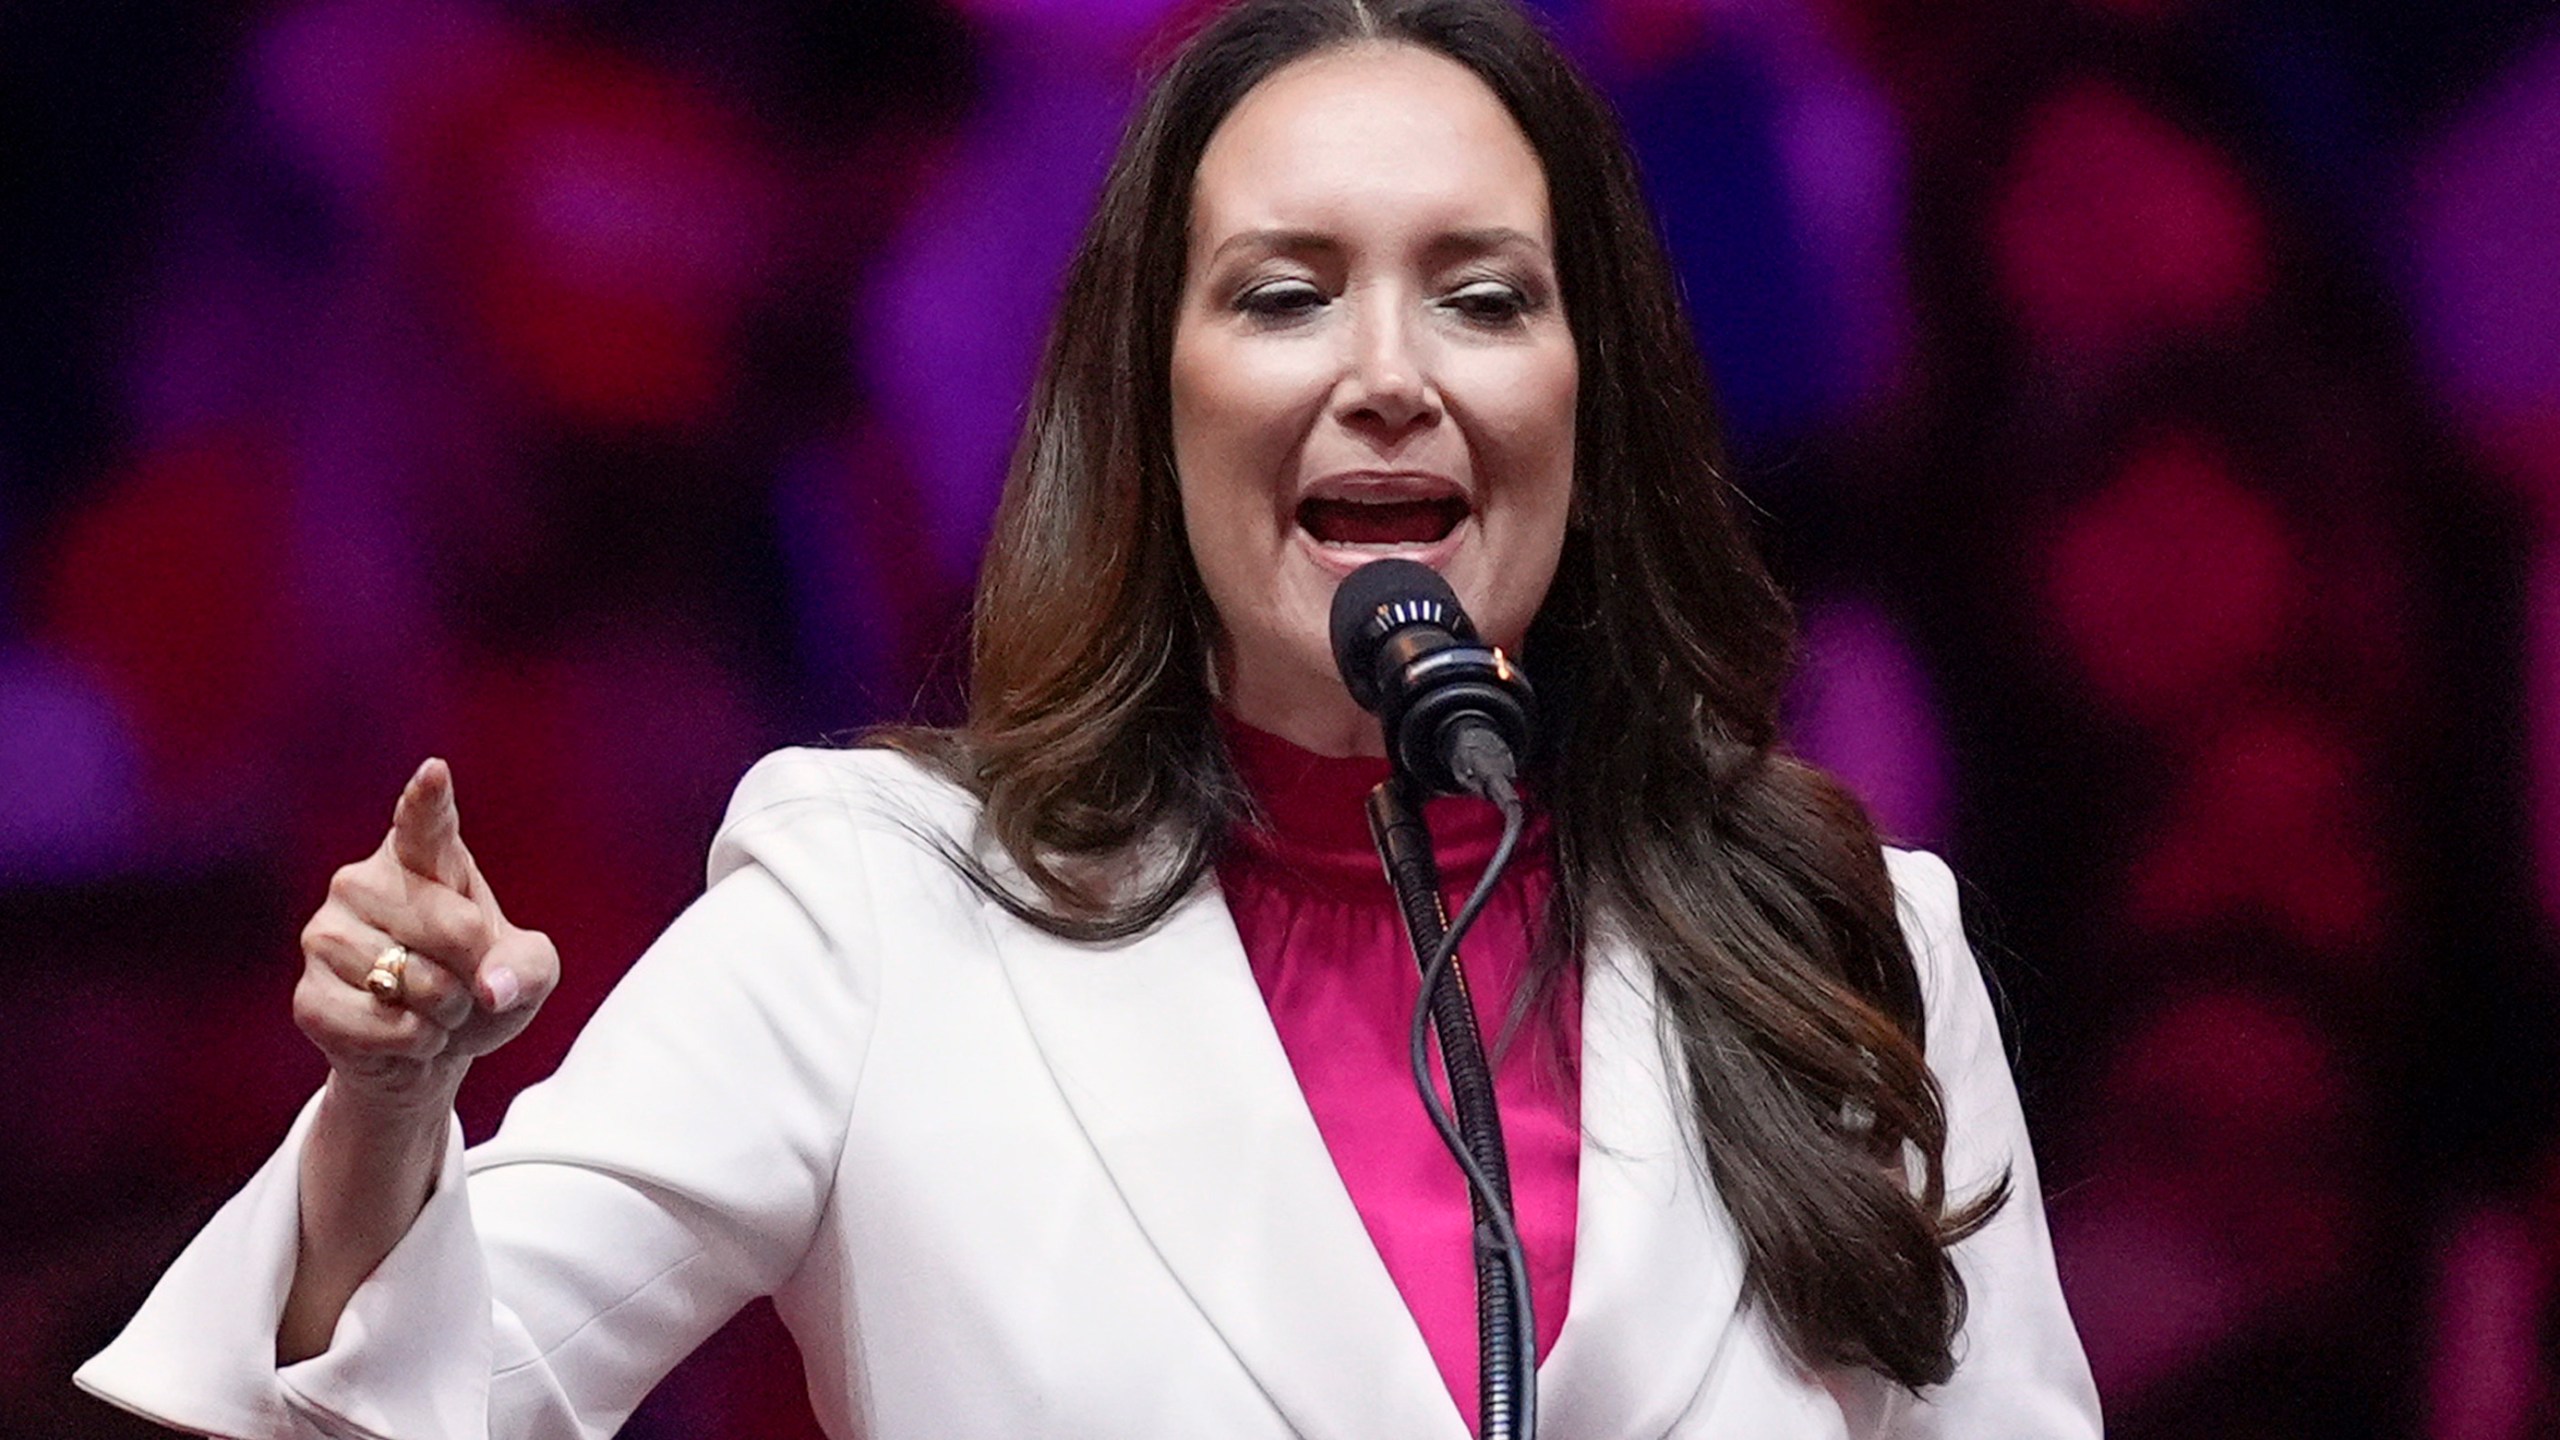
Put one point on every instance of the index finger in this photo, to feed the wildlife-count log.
(426, 829)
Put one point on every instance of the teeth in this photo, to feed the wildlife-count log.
(1381, 524)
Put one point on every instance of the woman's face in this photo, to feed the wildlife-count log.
(1371, 359)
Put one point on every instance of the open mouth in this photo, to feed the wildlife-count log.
(1382, 522)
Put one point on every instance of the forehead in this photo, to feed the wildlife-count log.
(1369, 137)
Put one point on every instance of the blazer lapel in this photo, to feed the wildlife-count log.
(1163, 1049)
(1657, 1270)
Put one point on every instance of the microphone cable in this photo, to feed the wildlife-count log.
(1510, 1413)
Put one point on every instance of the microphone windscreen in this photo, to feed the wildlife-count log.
(1375, 601)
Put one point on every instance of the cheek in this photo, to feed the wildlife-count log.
(1233, 441)
(1526, 433)
(1557, 392)
(1557, 403)
(1525, 440)
(1241, 414)
(1240, 408)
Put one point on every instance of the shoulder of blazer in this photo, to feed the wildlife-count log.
(874, 791)
(1924, 897)
(860, 841)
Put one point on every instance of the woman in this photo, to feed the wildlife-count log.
(1033, 1067)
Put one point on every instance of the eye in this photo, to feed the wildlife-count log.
(1283, 299)
(1489, 302)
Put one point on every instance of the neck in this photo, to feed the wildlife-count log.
(1312, 713)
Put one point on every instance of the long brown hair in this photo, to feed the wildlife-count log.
(1753, 883)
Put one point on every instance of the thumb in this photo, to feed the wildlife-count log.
(426, 830)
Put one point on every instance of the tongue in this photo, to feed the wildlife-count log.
(1401, 522)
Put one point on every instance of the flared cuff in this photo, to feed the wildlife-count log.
(411, 1356)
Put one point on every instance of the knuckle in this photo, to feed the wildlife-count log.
(472, 934)
(430, 985)
(306, 1008)
(540, 956)
(332, 926)
(389, 1037)
(421, 1038)
(450, 1011)
(316, 1013)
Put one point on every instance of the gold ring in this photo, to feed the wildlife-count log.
(387, 978)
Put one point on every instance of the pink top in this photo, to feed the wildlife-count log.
(1327, 946)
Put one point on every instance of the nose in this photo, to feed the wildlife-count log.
(1387, 387)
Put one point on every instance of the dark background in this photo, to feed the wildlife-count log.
(2155, 405)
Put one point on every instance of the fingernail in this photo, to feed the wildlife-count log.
(504, 990)
(421, 772)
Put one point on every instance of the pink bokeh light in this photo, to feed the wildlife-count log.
(175, 587)
(603, 225)
(2175, 582)
(2271, 827)
(2114, 228)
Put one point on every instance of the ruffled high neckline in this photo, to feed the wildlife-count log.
(1313, 824)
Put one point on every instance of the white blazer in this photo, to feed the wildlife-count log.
(1005, 1186)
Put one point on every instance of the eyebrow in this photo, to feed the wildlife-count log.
(1477, 241)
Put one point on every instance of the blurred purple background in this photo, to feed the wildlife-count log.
(2155, 404)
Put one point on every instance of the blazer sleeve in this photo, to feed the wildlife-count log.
(2020, 1373)
(675, 1167)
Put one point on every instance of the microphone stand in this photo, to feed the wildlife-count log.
(1507, 1376)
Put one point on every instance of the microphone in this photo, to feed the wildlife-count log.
(1457, 713)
